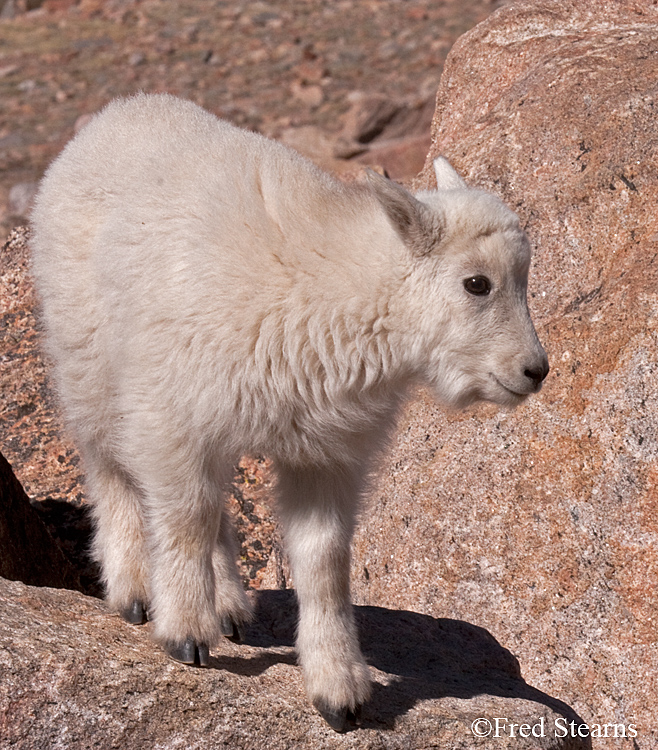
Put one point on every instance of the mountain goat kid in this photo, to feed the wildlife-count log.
(208, 293)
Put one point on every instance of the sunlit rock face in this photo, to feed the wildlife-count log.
(541, 525)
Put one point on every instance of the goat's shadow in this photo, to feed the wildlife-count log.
(428, 658)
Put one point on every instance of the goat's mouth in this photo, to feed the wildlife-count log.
(518, 397)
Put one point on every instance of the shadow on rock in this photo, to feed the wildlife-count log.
(251, 667)
(426, 657)
(71, 527)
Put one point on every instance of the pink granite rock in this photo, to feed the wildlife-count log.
(542, 525)
(75, 677)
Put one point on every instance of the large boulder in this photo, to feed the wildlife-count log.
(74, 676)
(542, 525)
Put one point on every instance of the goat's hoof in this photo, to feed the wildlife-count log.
(135, 614)
(189, 652)
(340, 719)
(231, 630)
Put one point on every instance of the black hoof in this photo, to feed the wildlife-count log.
(340, 719)
(189, 652)
(231, 630)
(135, 614)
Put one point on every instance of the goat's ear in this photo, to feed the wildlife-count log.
(419, 227)
(446, 177)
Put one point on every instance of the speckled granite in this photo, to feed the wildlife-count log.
(542, 525)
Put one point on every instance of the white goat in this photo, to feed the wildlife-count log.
(209, 293)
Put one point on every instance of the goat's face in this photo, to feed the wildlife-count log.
(465, 291)
(482, 344)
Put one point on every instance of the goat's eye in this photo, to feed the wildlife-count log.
(477, 285)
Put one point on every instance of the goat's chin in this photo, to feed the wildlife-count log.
(509, 400)
(504, 396)
(491, 391)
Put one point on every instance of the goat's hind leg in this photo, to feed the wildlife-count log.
(233, 607)
(183, 528)
(119, 544)
(196, 592)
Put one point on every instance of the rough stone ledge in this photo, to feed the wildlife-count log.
(73, 676)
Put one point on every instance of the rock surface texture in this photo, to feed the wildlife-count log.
(75, 677)
(542, 525)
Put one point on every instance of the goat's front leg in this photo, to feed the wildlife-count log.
(318, 509)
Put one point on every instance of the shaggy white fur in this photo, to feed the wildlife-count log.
(208, 293)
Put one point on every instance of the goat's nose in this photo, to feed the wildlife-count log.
(538, 373)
